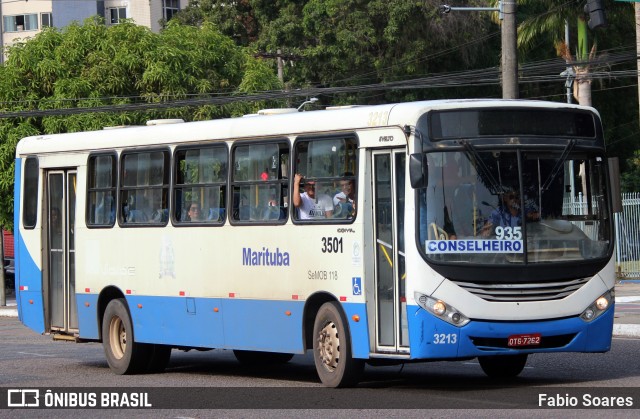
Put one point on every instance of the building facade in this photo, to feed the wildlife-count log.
(23, 19)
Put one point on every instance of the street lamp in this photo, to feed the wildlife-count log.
(306, 102)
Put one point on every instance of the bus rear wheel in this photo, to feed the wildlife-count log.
(503, 366)
(124, 355)
(332, 348)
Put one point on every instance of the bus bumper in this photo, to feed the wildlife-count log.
(433, 338)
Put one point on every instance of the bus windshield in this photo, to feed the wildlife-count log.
(514, 207)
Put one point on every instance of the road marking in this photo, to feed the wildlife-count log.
(31, 353)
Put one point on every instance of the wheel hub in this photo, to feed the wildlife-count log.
(118, 335)
(329, 346)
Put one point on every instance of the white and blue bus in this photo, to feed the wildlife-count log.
(441, 230)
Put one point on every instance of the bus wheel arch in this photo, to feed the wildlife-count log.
(124, 355)
(106, 295)
(332, 348)
(311, 308)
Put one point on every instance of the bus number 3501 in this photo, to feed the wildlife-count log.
(332, 245)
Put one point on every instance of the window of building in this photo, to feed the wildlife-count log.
(46, 20)
(200, 185)
(327, 188)
(116, 14)
(170, 8)
(30, 193)
(144, 188)
(260, 184)
(20, 23)
(101, 192)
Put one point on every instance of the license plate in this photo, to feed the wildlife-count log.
(532, 339)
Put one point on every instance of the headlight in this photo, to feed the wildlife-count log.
(599, 306)
(441, 310)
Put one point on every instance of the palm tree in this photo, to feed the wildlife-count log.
(549, 18)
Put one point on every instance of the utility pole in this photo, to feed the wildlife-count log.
(281, 58)
(280, 66)
(636, 6)
(509, 59)
(509, 51)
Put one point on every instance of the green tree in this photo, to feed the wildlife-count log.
(234, 18)
(356, 42)
(330, 43)
(90, 64)
(543, 23)
(630, 180)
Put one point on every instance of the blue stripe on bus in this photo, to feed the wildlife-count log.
(30, 300)
(431, 337)
(359, 330)
(261, 325)
(88, 323)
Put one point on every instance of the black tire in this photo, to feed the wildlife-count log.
(256, 358)
(503, 366)
(332, 348)
(159, 358)
(124, 354)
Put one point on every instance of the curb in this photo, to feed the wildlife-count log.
(626, 330)
(10, 310)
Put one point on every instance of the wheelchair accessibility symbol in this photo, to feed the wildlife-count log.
(357, 286)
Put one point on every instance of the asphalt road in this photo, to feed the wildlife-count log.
(215, 380)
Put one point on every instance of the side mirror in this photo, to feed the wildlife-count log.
(614, 184)
(418, 170)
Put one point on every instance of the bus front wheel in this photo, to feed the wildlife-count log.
(124, 355)
(503, 366)
(332, 348)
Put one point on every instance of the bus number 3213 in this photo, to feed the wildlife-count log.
(445, 339)
(331, 245)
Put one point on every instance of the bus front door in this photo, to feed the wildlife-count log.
(388, 211)
(61, 312)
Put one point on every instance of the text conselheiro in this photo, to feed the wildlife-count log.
(473, 246)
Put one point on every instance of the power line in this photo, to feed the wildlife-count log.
(536, 72)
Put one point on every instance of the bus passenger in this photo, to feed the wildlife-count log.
(310, 205)
(345, 200)
(194, 213)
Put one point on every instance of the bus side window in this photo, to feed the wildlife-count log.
(144, 188)
(30, 192)
(327, 169)
(101, 190)
(200, 176)
(259, 182)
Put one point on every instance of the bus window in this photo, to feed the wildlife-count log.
(30, 193)
(200, 185)
(144, 188)
(101, 193)
(325, 181)
(259, 182)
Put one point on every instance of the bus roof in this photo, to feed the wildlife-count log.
(278, 125)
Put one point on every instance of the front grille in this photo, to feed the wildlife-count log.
(546, 342)
(541, 291)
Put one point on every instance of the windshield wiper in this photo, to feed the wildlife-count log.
(485, 172)
(558, 166)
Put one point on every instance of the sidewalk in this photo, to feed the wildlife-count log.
(11, 309)
(626, 323)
